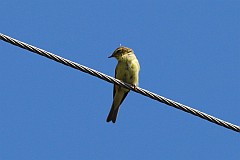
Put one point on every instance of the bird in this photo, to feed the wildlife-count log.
(127, 70)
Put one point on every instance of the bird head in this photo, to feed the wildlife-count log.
(120, 52)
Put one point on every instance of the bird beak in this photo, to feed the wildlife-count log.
(110, 56)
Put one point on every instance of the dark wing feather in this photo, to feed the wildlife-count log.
(114, 90)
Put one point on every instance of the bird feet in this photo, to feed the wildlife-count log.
(134, 86)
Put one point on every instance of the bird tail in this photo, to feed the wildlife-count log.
(117, 101)
(112, 116)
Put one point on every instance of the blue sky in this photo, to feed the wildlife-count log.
(188, 50)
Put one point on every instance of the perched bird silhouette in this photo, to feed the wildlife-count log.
(127, 70)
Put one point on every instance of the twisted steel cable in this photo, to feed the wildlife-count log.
(120, 83)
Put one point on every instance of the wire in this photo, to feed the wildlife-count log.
(120, 83)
